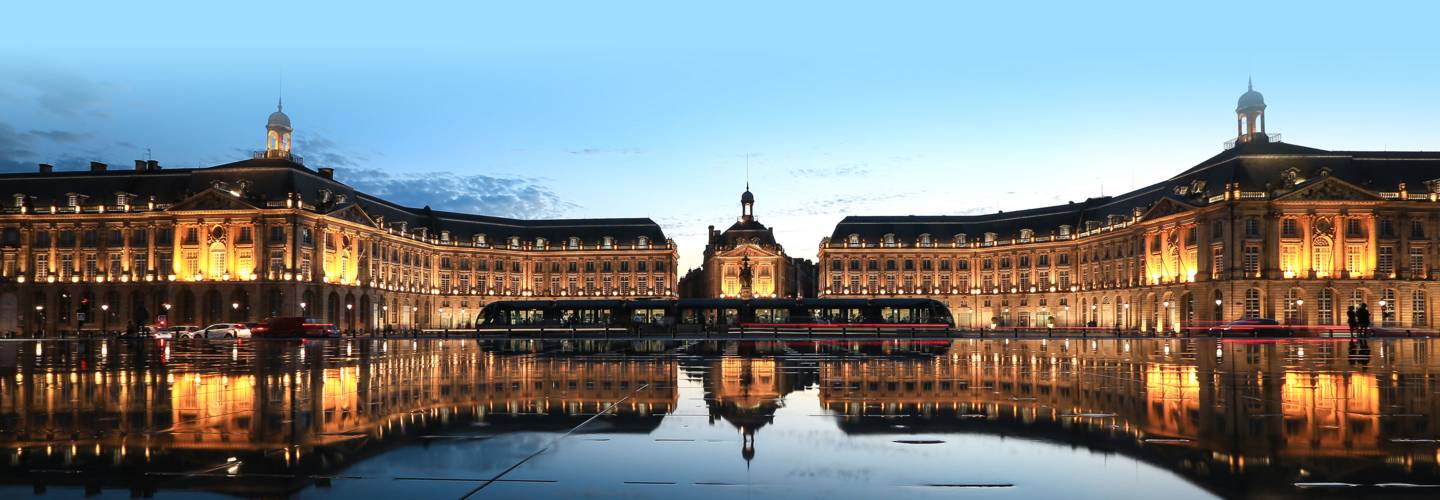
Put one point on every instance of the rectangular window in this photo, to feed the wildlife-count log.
(1290, 228)
(1417, 263)
(1217, 262)
(1290, 260)
(67, 266)
(139, 264)
(1354, 258)
(164, 263)
(114, 264)
(42, 263)
(1385, 262)
(1417, 230)
(92, 265)
(1252, 227)
(1252, 261)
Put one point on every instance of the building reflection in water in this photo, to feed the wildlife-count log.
(1230, 416)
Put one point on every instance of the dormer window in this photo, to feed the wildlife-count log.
(1027, 234)
(925, 240)
(444, 236)
(19, 200)
(480, 240)
(514, 242)
(960, 239)
(989, 238)
(1064, 230)
(72, 200)
(1091, 225)
(122, 199)
(607, 242)
(643, 242)
(889, 240)
(540, 243)
(574, 243)
(853, 240)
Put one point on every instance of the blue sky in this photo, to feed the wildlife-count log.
(625, 109)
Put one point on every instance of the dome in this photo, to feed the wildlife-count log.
(279, 119)
(747, 197)
(1250, 100)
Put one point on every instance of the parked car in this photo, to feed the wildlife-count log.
(178, 332)
(1252, 327)
(225, 331)
(258, 329)
(297, 327)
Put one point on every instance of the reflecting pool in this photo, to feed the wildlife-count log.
(431, 418)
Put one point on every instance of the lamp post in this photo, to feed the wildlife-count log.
(39, 318)
(1299, 312)
(104, 318)
(349, 317)
(1383, 317)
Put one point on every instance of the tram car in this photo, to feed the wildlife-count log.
(716, 316)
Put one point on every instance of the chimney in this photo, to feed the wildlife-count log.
(96, 166)
(327, 172)
(46, 168)
(152, 165)
(139, 165)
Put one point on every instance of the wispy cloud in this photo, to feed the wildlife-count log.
(319, 149)
(604, 151)
(15, 150)
(477, 194)
(61, 136)
(848, 170)
(64, 93)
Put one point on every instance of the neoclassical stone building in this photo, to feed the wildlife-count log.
(745, 261)
(1262, 229)
(268, 236)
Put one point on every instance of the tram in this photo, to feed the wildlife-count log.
(722, 316)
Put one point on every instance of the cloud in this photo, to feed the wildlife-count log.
(604, 151)
(849, 170)
(15, 151)
(64, 93)
(474, 194)
(61, 136)
(320, 150)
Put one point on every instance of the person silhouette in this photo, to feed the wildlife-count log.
(1350, 319)
(1362, 316)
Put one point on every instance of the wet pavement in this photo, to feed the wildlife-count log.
(1111, 418)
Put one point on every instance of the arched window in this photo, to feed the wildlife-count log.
(643, 242)
(853, 240)
(1323, 257)
(514, 242)
(1292, 306)
(1387, 307)
(1325, 307)
(540, 243)
(1252, 303)
(889, 240)
(217, 260)
(1417, 308)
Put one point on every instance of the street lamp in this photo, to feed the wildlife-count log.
(1166, 319)
(104, 317)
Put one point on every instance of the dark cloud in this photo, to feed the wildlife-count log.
(65, 94)
(475, 194)
(61, 136)
(320, 150)
(15, 151)
(603, 151)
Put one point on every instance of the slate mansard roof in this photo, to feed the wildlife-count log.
(1265, 166)
(263, 182)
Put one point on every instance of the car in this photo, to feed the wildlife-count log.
(1251, 327)
(225, 331)
(144, 332)
(258, 329)
(178, 332)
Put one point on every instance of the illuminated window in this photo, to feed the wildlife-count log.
(1252, 303)
(1417, 308)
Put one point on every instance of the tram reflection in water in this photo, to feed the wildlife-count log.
(780, 316)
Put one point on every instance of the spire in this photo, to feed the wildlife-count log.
(1250, 82)
(280, 104)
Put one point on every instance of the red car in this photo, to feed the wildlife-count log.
(298, 327)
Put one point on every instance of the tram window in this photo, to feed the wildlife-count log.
(585, 316)
(772, 315)
(524, 316)
(690, 317)
(648, 316)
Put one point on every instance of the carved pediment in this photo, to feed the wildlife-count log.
(212, 199)
(1330, 188)
(1166, 207)
(352, 213)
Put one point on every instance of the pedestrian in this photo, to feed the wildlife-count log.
(1362, 316)
(1351, 320)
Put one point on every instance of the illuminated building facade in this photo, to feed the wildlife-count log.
(1262, 229)
(269, 237)
(745, 261)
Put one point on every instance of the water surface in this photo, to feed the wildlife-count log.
(1110, 418)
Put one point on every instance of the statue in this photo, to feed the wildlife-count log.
(745, 277)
